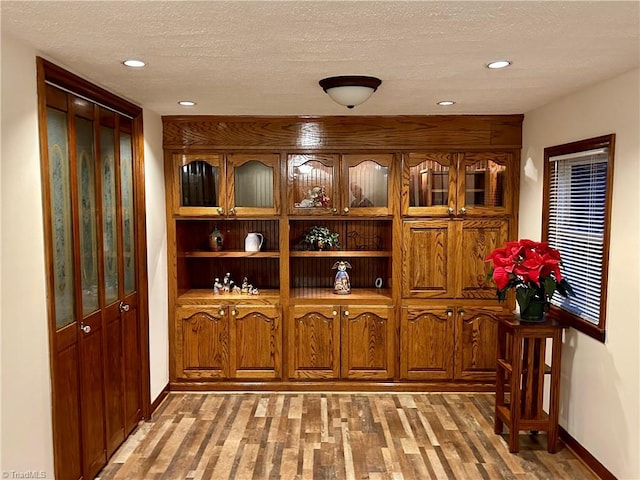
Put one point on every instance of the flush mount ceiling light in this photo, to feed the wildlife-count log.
(498, 64)
(350, 90)
(186, 103)
(446, 103)
(134, 63)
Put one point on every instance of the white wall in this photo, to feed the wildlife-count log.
(600, 385)
(26, 442)
(156, 253)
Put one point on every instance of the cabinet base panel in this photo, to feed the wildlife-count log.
(331, 386)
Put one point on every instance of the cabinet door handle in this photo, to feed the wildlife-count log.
(346, 313)
(221, 312)
(345, 210)
(450, 210)
(449, 313)
(334, 313)
(220, 211)
(463, 211)
(85, 328)
(334, 210)
(232, 211)
(234, 312)
(124, 307)
(461, 312)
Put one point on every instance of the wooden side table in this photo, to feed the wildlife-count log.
(521, 369)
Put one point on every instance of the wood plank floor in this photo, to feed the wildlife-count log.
(321, 436)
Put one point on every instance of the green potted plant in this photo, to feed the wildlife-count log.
(533, 270)
(322, 238)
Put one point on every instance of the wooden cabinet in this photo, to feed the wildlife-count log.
(202, 341)
(238, 184)
(348, 342)
(314, 343)
(458, 184)
(448, 343)
(367, 342)
(426, 343)
(476, 342)
(445, 258)
(228, 341)
(256, 341)
(417, 203)
(332, 184)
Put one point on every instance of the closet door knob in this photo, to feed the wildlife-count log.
(85, 328)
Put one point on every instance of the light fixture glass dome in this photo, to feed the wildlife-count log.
(350, 90)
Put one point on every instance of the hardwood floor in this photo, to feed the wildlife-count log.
(321, 436)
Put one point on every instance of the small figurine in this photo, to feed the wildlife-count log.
(226, 283)
(217, 286)
(341, 285)
(245, 285)
(235, 289)
(254, 291)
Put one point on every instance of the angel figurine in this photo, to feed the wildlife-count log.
(341, 285)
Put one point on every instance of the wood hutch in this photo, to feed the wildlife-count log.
(442, 193)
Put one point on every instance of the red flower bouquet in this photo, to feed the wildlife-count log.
(533, 270)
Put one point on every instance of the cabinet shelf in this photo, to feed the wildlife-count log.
(374, 295)
(205, 296)
(229, 254)
(342, 253)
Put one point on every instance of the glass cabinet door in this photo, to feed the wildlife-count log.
(429, 184)
(198, 187)
(253, 184)
(482, 183)
(312, 184)
(366, 187)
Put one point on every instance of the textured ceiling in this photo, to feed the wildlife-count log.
(266, 58)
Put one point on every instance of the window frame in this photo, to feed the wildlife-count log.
(597, 331)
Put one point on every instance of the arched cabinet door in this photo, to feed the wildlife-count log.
(367, 185)
(367, 342)
(314, 342)
(483, 187)
(253, 184)
(198, 186)
(426, 342)
(476, 342)
(255, 341)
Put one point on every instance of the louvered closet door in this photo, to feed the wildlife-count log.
(89, 222)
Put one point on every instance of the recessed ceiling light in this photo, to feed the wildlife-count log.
(446, 103)
(134, 63)
(186, 103)
(499, 64)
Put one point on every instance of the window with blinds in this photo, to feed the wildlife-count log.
(575, 223)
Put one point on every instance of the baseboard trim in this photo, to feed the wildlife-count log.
(156, 403)
(584, 455)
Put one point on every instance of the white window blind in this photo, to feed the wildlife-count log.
(577, 206)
